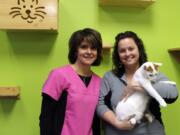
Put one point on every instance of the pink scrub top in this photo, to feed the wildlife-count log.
(81, 100)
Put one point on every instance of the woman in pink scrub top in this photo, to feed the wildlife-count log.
(70, 93)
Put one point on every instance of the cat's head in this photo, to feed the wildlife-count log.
(151, 69)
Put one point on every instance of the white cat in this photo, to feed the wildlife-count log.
(136, 104)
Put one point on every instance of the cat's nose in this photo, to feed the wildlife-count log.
(28, 11)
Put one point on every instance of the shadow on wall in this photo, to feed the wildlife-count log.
(176, 64)
(31, 43)
(106, 60)
(7, 106)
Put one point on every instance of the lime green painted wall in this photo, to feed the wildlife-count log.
(26, 58)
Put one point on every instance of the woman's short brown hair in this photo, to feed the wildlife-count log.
(92, 36)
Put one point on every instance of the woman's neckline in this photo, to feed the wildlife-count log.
(81, 72)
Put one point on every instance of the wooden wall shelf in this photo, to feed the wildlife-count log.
(175, 52)
(107, 47)
(33, 15)
(10, 92)
(126, 3)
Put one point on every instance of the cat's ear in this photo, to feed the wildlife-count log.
(36, 1)
(157, 65)
(145, 68)
(19, 1)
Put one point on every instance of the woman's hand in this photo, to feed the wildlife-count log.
(110, 117)
(125, 124)
(131, 88)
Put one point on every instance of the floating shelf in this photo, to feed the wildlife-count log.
(10, 92)
(107, 47)
(175, 52)
(126, 3)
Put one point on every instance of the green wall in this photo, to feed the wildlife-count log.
(26, 58)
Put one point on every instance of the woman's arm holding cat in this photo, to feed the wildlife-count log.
(104, 108)
(132, 87)
(167, 90)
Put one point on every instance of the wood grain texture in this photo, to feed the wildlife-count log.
(29, 15)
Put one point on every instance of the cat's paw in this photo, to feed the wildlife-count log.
(149, 117)
(163, 103)
(133, 121)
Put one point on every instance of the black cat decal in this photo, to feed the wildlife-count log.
(28, 10)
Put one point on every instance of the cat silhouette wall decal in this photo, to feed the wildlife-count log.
(28, 10)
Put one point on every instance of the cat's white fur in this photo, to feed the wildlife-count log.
(136, 104)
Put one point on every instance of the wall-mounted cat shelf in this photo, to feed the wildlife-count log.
(175, 52)
(29, 15)
(107, 47)
(10, 92)
(126, 3)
